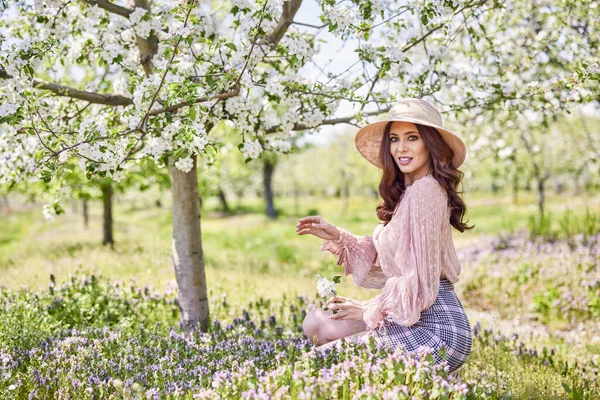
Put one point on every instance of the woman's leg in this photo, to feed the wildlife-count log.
(321, 329)
(360, 337)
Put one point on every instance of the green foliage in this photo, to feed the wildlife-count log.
(570, 225)
(81, 302)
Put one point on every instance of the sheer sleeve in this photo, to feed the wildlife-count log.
(359, 256)
(418, 258)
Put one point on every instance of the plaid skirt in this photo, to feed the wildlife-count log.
(444, 324)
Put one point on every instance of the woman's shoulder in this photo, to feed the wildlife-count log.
(426, 184)
(427, 191)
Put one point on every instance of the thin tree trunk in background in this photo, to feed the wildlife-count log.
(344, 192)
(577, 181)
(223, 201)
(188, 258)
(541, 195)
(107, 224)
(86, 217)
(268, 168)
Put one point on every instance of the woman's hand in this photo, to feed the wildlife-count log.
(347, 308)
(316, 225)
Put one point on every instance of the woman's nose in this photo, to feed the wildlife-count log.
(402, 147)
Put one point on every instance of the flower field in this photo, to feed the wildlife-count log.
(85, 330)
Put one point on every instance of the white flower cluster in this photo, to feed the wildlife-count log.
(395, 53)
(184, 164)
(279, 145)
(299, 46)
(16, 153)
(314, 118)
(341, 16)
(252, 149)
(49, 212)
(144, 92)
(8, 109)
(505, 152)
(325, 287)
(142, 27)
(275, 87)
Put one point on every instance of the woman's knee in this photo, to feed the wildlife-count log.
(315, 324)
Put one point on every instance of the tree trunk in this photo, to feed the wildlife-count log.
(188, 257)
(541, 195)
(344, 192)
(223, 201)
(107, 224)
(268, 168)
(74, 207)
(86, 217)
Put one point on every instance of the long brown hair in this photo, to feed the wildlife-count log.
(391, 186)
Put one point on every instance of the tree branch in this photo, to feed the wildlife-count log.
(287, 18)
(232, 93)
(92, 97)
(333, 121)
(111, 7)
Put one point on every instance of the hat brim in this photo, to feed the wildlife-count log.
(368, 140)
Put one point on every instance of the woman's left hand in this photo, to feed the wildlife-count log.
(346, 308)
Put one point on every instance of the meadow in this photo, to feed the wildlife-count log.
(80, 320)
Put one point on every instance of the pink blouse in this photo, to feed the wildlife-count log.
(406, 258)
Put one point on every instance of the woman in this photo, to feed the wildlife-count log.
(411, 255)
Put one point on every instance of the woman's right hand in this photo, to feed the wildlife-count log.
(318, 226)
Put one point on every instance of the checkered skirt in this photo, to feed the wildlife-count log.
(444, 324)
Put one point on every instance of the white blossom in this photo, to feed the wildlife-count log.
(8, 109)
(184, 164)
(252, 149)
(49, 212)
(325, 287)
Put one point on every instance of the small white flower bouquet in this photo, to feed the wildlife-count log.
(326, 287)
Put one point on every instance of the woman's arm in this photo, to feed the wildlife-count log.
(359, 256)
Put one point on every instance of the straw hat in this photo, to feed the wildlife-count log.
(417, 111)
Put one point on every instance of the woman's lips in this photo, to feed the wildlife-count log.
(404, 162)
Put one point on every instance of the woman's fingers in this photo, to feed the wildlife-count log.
(336, 299)
(311, 219)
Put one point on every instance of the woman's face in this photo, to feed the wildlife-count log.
(409, 151)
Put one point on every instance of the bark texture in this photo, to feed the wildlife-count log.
(268, 168)
(107, 225)
(188, 258)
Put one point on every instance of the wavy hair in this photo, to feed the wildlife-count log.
(391, 186)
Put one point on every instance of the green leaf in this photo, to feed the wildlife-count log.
(58, 209)
(337, 279)
(231, 46)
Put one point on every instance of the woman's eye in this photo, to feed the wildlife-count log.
(392, 139)
(413, 136)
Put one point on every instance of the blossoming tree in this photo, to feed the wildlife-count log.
(110, 83)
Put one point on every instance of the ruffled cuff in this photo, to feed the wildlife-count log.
(341, 248)
(373, 316)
